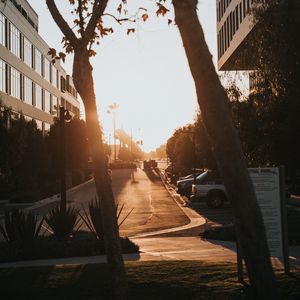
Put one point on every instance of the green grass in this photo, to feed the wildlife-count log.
(147, 280)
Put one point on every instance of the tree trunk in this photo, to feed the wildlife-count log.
(83, 81)
(214, 106)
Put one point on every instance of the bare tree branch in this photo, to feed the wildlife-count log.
(98, 10)
(81, 18)
(61, 23)
(119, 20)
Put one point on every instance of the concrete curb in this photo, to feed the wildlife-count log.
(54, 198)
(195, 219)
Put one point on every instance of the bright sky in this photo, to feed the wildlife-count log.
(146, 73)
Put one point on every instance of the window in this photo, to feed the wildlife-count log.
(27, 57)
(38, 97)
(15, 44)
(55, 104)
(233, 23)
(2, 76)
(38, 61)
(28, 95)
(47, 102)
(54, 75)
(47, 127)
(15, 83)
(237, 18)
(47, 70)
(2, 30)
(57, 79)
(39, 124)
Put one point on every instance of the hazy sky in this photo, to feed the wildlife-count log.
(146, 73)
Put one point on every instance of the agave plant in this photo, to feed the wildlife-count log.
(62, 222)
(20, 226)
(93, 219)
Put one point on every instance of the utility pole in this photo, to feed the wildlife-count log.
(112, 110)
(64, 116)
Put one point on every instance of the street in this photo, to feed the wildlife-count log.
(153, 207)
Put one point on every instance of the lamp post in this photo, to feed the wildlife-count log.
(64, 116)
(112, 110)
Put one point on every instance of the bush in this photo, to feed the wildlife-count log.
(62, 223)
(81, 243)
(20, 227)
(93, 220)
(222, 233)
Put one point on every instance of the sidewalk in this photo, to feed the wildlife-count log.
(155, 248)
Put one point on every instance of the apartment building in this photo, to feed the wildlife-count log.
(29, 83)
(234, 26)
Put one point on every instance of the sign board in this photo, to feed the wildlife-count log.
(266, 183)
(269, 185)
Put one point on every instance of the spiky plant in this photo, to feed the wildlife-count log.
(93, 219)
(62, 222)
(20, 226)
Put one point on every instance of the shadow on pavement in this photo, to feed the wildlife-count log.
(152, 175)
(120, 178)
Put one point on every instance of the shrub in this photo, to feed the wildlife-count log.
(223, 233)
(62, 223)
(21, 227)
(93, 220)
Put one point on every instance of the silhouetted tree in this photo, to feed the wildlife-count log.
(214, 105)
(89, 30)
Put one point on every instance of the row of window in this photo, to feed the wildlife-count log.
(221, 8)
(20, 46)
(43, 126)
(21, 9)
(231, 25)
(21, 87)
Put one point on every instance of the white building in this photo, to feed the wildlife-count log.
(29, 83)
(234, 26)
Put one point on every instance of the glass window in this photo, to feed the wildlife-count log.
(2, 76)
(47, 102)
(15, 40)
(38, 61)
(57, 79)
(55, 104)
(15, 83)
(38, 97)
(47, 127)
(2, 30)
(27, 90)
(39, 124)
(27, 52)
(54, 75)
(47, 69)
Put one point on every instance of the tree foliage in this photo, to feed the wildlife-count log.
(30, 160)
(190, 147)
(267, 120)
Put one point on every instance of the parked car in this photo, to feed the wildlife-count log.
(210, 188)
(184, 184)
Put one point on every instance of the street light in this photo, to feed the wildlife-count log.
(112, 110)
(64, 116)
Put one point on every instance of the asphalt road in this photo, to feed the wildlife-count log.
(142, 192)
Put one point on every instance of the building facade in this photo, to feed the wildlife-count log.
(234, 26)
(29, 83)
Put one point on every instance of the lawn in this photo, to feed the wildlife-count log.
(147, 280)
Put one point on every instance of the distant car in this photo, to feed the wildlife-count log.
(190, 176)
(210, 188)
(184, 185)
